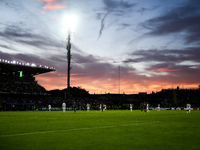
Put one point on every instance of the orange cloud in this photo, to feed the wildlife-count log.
(51, 6)
(163, 69)
(43, 12)
(134, 71)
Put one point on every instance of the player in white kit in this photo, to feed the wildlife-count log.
(88, 107)
(63, 107)
(131, 107)
(49, 106)
(105, 108)
(158, 107)
(147, 107)
(188, 107)
(100, 106)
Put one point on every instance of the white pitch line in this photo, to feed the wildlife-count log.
(79, 129)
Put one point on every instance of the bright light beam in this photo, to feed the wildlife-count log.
(69, 23)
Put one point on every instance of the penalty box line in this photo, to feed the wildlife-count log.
(79, 129)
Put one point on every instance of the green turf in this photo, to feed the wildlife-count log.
(120, 129)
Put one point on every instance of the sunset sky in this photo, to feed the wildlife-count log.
(156, 43)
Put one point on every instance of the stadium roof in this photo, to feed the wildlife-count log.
(26, 68)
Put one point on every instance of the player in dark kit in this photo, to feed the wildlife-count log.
(141, 107)
(145, 107)
(74, 107)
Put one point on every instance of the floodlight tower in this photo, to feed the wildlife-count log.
(69, 23)
(68, 47)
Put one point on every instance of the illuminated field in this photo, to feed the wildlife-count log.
(96, 130)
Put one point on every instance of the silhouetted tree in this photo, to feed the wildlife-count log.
(74, 92)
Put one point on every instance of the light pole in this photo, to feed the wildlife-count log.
(69, 23)
(68, 64)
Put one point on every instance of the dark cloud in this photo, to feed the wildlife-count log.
(98, 16)
(101, 71)
(27, 29)
(185, 19)
(145, 10)
(118, 8)
(102, 25)
(178, 73)
(175, 56)
(91, 65)
(26, 58)
(123, 26)
(17, 34)
(78, 58)
(169, 61)
(112, 5)
(4, 46)
(11, 4)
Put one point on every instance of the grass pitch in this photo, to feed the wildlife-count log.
(119, 129)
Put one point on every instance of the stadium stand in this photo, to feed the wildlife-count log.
(18, 88)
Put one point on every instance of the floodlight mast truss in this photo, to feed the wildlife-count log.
(69, 61)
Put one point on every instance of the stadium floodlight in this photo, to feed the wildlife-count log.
(33, 65)
(69, 23)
